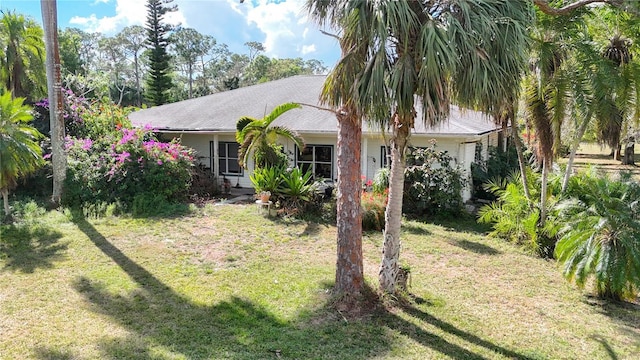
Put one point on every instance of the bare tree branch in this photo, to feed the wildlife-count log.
(330, 34)
(319, 108)
(544, 6)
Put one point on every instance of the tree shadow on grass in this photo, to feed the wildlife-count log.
(466, 223)
(28, 247)
(456, 352)
(414, 229)
(622, 312)
(163, 324)
(475, 247)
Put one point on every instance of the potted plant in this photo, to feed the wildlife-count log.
(264, 196)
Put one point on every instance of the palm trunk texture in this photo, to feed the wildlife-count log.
(54, 87)
(349, 265)
(389, 267)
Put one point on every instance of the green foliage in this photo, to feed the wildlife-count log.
(373, 205)
(20, 153)
(601, 236)
(517, 220)
(128, 166)
(381, 180)
(267, 178)
(499, 165)
(433, 184)
(260, 137)
(22, 56)
(159, 79)
(296, 187)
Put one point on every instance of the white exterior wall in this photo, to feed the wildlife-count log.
(461, 149)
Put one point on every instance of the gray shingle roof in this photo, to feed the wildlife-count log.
(221, 111)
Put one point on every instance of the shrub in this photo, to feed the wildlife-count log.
(267, 178)
(124, 164)
(601, 236)
(381, 180)
(296, 190)
(499, 166)
(515, 219)
(373, 207)
(433, 184)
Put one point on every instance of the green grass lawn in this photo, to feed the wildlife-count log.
(227, 283)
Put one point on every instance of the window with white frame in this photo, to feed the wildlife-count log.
(318, 158)
(227, 158)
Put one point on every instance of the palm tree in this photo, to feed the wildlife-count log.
(56, 104)
(20, 152)
(600, 236)
(22, 62)
(259, 137)
(431, 52)
(340, 94)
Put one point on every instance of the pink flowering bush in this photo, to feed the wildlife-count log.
(126, 166)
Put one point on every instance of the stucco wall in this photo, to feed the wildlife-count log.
(461, 149)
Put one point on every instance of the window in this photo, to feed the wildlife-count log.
(318, 158)
(228, 158)
(478, 153)
(385, 156)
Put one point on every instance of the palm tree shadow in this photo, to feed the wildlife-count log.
(475, 247)
(26, 248)
(158, 317)
(625, 313)
(449, 349)
(234, 329)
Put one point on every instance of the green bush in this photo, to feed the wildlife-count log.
(124, 164)
(499, 166)
(267, 178)
(433, 184)
(296, 190)
(381, 180)
(601, 234)
(373, 208)
(515, 219)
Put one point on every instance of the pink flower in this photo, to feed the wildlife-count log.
(123, 156)
(159, 162)
(86, 144)
(47, 156)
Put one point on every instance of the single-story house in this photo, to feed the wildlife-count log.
(207, 124)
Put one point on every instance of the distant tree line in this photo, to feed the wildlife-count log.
(122, 67)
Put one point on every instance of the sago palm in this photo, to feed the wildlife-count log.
(601, 237)
(259, 137)
(20, 152)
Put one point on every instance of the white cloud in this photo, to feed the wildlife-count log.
(282, 23)
(306, 49)
(127, 12)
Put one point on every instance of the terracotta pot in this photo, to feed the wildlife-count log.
(264, 198)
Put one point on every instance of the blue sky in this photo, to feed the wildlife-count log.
(281, 25)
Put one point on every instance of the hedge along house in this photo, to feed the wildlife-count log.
(208, 124)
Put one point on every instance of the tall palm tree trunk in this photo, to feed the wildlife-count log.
(543, 192)
(523, 166)
(5, 201)
(349, 264)
(389, 267)
(572, 154)
(54, 88)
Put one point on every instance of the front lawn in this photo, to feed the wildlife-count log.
(227, 283)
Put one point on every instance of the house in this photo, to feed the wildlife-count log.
(208, 125)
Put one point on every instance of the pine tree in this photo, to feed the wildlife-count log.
(159, 80)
